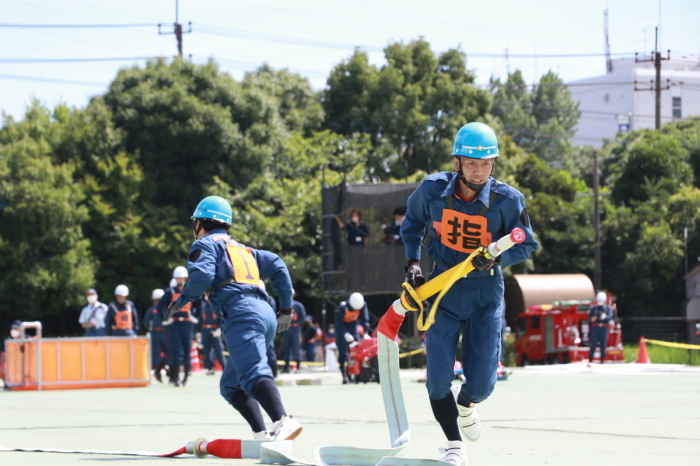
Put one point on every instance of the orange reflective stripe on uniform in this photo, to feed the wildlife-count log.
(462, 232)
(186, 308)
(351, 316)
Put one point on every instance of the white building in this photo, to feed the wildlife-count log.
(609, 103)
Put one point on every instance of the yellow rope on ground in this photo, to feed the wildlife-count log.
(409, 353)
(672, 345)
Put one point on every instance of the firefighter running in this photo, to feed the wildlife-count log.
(461, 211)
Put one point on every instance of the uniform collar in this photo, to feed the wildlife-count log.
(483, 195)
(216, 231)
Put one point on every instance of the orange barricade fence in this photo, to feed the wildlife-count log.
(62, 363)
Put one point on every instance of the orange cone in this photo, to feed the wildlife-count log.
(642, 356)
(195, 365)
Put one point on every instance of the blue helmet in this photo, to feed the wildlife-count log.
(477, 141)
(214, 208)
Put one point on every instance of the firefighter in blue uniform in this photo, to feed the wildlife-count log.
(122, 319)
(272, 349)
(230, 272)
(291, 338)
(347, 317)
(599, 316)
(452, 214)
(210, 330)
(153, 324)
(181, 326)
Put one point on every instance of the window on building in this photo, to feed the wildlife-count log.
(677, 114)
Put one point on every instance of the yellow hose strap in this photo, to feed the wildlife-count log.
(672, 345)
(409, 353)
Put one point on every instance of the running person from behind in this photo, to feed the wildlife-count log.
(230, 272)
(461, 211)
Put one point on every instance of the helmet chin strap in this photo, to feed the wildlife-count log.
(469, 184)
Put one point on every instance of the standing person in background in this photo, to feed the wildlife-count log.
(153, 324)
(271, 349)
(599, 316)
(122, 318)
(291, 339)
(92, 317)
(231, 272)
(347, 318)
(392, 233)
(312, 334)
(210, 329)
(181, 325)
(358, 233)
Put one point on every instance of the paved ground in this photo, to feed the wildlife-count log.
(558, 415)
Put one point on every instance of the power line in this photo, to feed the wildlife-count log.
(69, 60)
(69, 26)
(49, 80)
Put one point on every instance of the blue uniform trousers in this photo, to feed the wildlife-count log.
(599, 337)
(310, 349)
(344, 346)
(123, 333)
(473, 308)
(95, 332)
(210, 342)
(291, 344)
(180, 343)
(250, 325)
(158, 348)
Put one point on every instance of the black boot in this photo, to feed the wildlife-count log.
(344, 372)
(156, 371)
(184, 379)
(175, 376)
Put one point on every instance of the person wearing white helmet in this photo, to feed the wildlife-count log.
(291, 338)
(599, 316)
(180, 326)
(122, 317)
(347, 317)
(92, 317)
(153, 324)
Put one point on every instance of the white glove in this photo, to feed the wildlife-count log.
(349, 338)
(167, 322)
(367, 336)
(193, 319)
(198, 337)
(216, 333)
(284, 321)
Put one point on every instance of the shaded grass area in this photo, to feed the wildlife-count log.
(664, 355)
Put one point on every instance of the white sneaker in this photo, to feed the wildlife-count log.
(469, 422)
(286, 428)
(262, 435)
(455, 453)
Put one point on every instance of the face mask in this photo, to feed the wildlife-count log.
(14, 333)
(331, 329)
(92, 299)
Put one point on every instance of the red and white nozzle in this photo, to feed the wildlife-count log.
(516, 236)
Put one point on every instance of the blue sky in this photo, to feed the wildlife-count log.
(312, 36)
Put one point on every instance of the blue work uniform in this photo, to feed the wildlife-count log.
(291, 338)
(233, 271)
(122, 319)
(209, 322)
(346, 320)
(473, 306)
(271, 350)
(153, 324)
(599, 329)
(180, 331)
(310, 341)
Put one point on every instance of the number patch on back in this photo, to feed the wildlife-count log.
(245, 269)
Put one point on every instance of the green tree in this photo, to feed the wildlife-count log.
(45, 258)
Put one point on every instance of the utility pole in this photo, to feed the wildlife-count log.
(656, 59)
(608, 60)
(597, 274)
(177, 29)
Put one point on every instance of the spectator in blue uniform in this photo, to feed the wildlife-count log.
(291, 338)
(462, 211)
(153, 324)
(92, 317)
(312, 335)
(122, 319)
(599, 316)
(392, 233)
(230, 272)
(347, 317)
(210, 330)
(181, 327)
(358, 233)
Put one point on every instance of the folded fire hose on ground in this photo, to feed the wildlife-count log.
(270, 452)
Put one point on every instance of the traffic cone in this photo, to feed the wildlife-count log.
(642, 356)
(195, 365)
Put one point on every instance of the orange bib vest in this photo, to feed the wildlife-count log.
(123, 319)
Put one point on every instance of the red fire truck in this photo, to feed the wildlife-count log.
(559, 333)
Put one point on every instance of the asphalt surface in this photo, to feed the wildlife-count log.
(557, 415)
